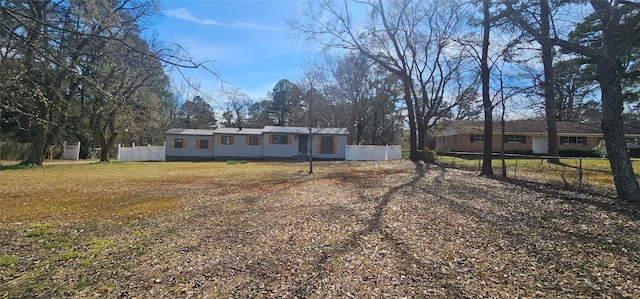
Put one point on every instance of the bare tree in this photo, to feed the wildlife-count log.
(380, 40)
(604, 52)
(487, 157)
(540, 30)
(237, 106)
(410, 39)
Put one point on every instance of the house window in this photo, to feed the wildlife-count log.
(326, 145)
(226, 139)
(179, 143)
(280, 139)
(203, 144)
(515, 139)
(254, 140)
(573, 140)
(477, 138)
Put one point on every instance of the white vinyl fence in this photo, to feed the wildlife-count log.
(140, 153)
(373, 152)
(71, 151)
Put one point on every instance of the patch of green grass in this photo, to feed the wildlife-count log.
(546, 217)
(68, 256)
(36, 230)
(21, 165)
(8, 260)
(233, 162)
(96, 245)
(55, 240)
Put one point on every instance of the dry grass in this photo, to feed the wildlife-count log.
(596, 173)
(270, 230)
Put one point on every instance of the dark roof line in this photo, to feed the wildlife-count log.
(530, 126)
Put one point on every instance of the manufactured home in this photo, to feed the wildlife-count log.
(271, 142)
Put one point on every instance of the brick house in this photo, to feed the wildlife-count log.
(521, 136)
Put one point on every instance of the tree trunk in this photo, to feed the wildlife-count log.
(38, 148)
(503, 105)
(624, 178)
(420, 120)
(548, 84)
(104, 153)
(487, 169)
(408, 99)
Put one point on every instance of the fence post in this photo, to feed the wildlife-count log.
(515, 171)
(580, 175)
(78, 151)
(386, 153)
(454, 161)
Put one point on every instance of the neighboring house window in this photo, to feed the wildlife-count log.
(179, 143)
(327, 145)
(203, 144)
(515, 139)
(226, 139)
(573, 140)
(253, 140)
(280, 139)
(477, 138)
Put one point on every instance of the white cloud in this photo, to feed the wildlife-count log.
(185, 14)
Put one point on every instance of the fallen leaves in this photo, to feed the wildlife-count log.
(353, 229)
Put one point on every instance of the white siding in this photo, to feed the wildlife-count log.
(239, 149)
(189, 150)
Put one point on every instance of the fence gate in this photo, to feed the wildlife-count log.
(71, 152)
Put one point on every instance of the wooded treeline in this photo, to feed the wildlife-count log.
(348, 91)
(81, 70)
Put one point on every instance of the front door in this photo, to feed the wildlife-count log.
(303, 144)
(540, 145)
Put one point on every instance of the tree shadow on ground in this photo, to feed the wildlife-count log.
(602, 202)
(375, 225)
(531, 231)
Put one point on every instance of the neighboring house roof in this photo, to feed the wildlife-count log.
(525, 127)
(189, 132)
(238, 131)
(305, 130)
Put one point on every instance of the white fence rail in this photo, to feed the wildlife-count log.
(373, 152)
(71, 151)
(140, 153)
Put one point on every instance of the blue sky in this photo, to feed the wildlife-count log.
(248, 40)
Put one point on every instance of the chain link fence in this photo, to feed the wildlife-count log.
(581, 174)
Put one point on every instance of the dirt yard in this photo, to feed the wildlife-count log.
(269, 230)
